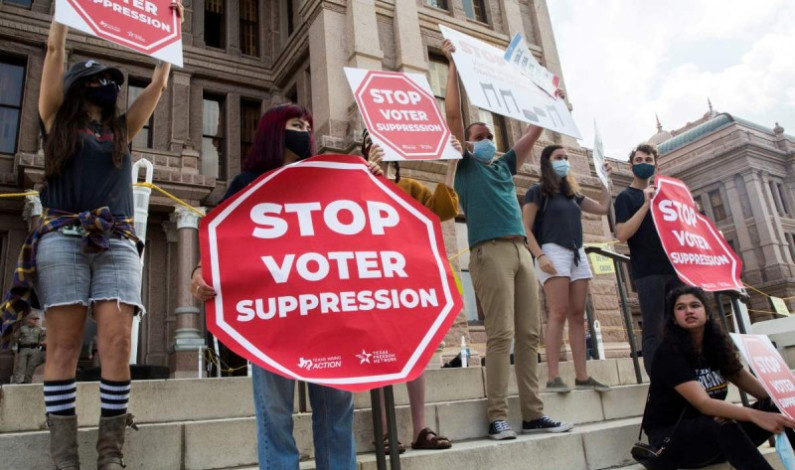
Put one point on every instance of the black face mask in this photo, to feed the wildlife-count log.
(103, 96)
(297, 142)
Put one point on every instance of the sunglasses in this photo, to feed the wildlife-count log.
(102, 81)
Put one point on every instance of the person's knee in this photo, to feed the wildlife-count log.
(114, 344)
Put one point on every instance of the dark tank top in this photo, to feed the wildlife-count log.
(89, 179)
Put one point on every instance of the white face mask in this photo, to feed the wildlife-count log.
(561, 167)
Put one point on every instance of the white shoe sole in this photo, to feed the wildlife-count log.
(505, 435)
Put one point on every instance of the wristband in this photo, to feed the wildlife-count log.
(539, 256)
(198, 266)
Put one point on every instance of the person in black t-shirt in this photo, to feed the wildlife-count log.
(652, 272)
(552, 215)
(695, 362)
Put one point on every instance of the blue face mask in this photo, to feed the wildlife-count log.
(561, 167)
(484, 150)
(643, 171)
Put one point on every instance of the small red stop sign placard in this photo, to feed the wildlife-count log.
(147, 26)
(402, 115)
(327, 274)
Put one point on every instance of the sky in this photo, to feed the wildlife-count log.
(626, 60)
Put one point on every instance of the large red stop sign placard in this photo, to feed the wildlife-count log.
(328, 274)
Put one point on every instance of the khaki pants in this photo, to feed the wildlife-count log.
(505, 283)
(27, 361)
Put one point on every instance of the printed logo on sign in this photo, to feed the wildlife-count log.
(364, 357)
(381, 356)
(318, 363)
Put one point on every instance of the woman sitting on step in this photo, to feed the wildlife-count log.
(688, 391)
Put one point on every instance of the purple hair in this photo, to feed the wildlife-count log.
(267, 153)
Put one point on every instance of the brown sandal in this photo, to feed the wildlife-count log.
(428, 439)
(401, 448)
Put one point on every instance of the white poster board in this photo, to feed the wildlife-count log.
(520, 56)
(493, 84)
(599, 157)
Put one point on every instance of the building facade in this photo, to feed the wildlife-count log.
(242, 57)
(742, 175)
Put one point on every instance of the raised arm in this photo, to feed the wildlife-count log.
(449, 177)
(51, 88)
(452, 96)
(142, 108)
(524, 146)
(602, 206)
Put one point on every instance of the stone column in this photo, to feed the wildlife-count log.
(180, 110)
(188, 338)
(232, 18)
(778, 238)
(331, 95)
(773, 261)
(197, 22)
(512, 18)
(744, 243)
(409, 47)
(32, 210)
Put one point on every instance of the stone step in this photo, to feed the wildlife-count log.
(174, 400)
(587, 447)
(768, 452)
(194, 445)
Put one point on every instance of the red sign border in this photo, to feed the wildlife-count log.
(661, 180)
(369, 122)
(353, 164)
(102, 33)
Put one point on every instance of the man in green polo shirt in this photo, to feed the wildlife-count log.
(500, 265)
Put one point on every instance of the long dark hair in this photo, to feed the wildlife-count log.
(551, 183)
(717, 350)
(64, 137)
(267, 152)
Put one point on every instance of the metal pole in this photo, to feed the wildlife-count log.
(302, 397)
(740, 326)
(375, 402)
(589, 315)
(391, 423)
(722, 312)
(628, 321)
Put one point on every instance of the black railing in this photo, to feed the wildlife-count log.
(617, 259)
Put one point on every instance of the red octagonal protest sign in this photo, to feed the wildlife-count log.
(695, 247)
(328, 274)
(402, 115)
(147, 26)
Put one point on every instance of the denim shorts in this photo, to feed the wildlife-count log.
(67, 276)
(563, 260)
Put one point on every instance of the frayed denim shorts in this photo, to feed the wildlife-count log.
(67, 276)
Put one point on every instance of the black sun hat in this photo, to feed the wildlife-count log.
(89, 68)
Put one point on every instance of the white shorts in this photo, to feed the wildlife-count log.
(563, 260)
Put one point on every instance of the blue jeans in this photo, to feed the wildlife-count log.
(652, 291)
(332, 424)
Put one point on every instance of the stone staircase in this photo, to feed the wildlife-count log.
(208, 424)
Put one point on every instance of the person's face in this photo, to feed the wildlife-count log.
(559, 154)
(297, 124)
(33, 321)
(689, 312)
(643, 157)
(479, 132)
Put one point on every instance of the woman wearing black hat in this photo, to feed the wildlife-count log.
(85, 251)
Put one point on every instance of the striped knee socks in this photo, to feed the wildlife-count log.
(60, 396)
(114, 397)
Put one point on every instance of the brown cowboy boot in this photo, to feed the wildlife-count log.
(63, 442)
(110, 441)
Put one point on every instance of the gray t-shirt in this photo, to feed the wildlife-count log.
(89, 179)
(561, 222)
